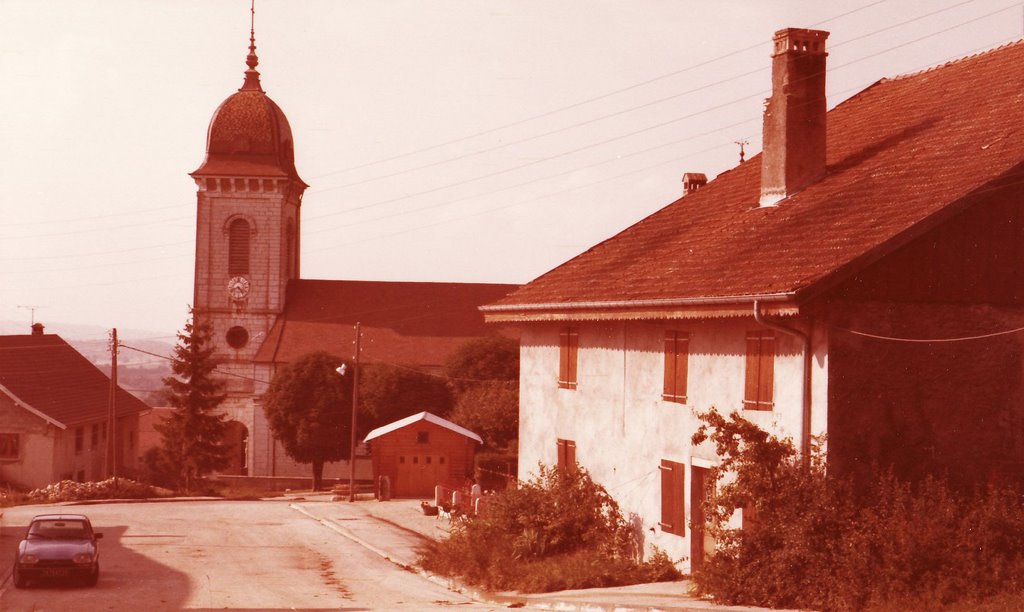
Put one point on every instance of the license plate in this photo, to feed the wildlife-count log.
(56, 572)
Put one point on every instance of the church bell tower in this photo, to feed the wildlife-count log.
(247, 228)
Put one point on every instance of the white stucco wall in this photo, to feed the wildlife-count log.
(621, 426)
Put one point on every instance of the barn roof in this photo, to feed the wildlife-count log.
(416, 418)
(901, 155)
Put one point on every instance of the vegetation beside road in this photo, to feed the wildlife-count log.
(817, 542)
(560, 530)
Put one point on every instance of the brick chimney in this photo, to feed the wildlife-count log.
(793, 152)
(37, 329)
(692, 181)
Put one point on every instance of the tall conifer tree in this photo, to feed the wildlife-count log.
(193, 435)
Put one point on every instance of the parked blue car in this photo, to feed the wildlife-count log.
(58, 547)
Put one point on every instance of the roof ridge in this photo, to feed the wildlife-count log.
(956, 60)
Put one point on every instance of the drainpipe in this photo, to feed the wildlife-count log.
(805, 338)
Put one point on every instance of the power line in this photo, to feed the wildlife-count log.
(585, 101)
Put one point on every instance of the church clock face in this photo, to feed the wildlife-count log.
(238, 288)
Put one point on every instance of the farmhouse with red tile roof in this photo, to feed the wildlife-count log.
(861, 278)
(54, 409)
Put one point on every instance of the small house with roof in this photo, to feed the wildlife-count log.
(54, 414)
(861, 277)
(422, 451)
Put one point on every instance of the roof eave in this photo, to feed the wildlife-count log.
(781, 304)
(39, 413)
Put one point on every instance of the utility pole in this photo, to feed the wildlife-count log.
(112, 409)
(355, 407)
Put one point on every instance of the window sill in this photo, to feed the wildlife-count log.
(566, 385)
(760, 406)
(675, 399)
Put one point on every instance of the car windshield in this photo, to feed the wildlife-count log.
(60, 530)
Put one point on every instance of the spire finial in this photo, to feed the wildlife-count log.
(252, 78)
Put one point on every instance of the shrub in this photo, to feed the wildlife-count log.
(560, 530)
(816, 544)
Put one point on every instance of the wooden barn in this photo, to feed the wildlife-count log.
(421, 451)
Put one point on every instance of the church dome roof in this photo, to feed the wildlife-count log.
(249, 134)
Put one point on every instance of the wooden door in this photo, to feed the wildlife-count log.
(418, 474)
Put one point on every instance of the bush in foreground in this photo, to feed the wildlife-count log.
(560, 530)
(815, 544)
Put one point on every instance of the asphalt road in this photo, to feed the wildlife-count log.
(221, 555)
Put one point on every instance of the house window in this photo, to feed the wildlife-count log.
(9, 446)
(673, 502)
(566, 455)
(760, 370)
(422, 437)
(79, 439)
(677, 351)
(238, 247)
(568, 345)
(94, 437)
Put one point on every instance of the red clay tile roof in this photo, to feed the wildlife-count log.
(402, 322)
(899, 153)
(49, 375)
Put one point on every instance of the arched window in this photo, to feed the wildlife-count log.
(238, 247)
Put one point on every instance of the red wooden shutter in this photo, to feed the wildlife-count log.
(760, 378)
(670, 366)
(682, 363)
(753, 363)
(568, 341)
(673, 501)
(677, 348)
(766, 371)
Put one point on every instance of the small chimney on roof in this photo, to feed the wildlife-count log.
(793, 152)
(37, 329)
(692, 181)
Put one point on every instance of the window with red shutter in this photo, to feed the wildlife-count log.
(673, 497)
(760, 377)
(566, 455)
(677, 351)
(568, 344)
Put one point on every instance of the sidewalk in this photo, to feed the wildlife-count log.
(397, 530)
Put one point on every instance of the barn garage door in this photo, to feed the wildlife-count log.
(419, 474)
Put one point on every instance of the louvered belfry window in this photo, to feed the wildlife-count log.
(568, 345)
(760, 377)
(238, 247)
(677, 357)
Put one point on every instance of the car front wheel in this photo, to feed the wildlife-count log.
(94, 577)
(19, 579)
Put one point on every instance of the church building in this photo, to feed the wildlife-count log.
(248, 284)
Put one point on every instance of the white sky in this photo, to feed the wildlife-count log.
(446, 140)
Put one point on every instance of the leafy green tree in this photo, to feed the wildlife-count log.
(309, 408)
(492, 411)
(193, 434)
(484, 376)
(389, 392)
(487, 359)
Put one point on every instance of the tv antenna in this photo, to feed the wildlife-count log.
(33, 310)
